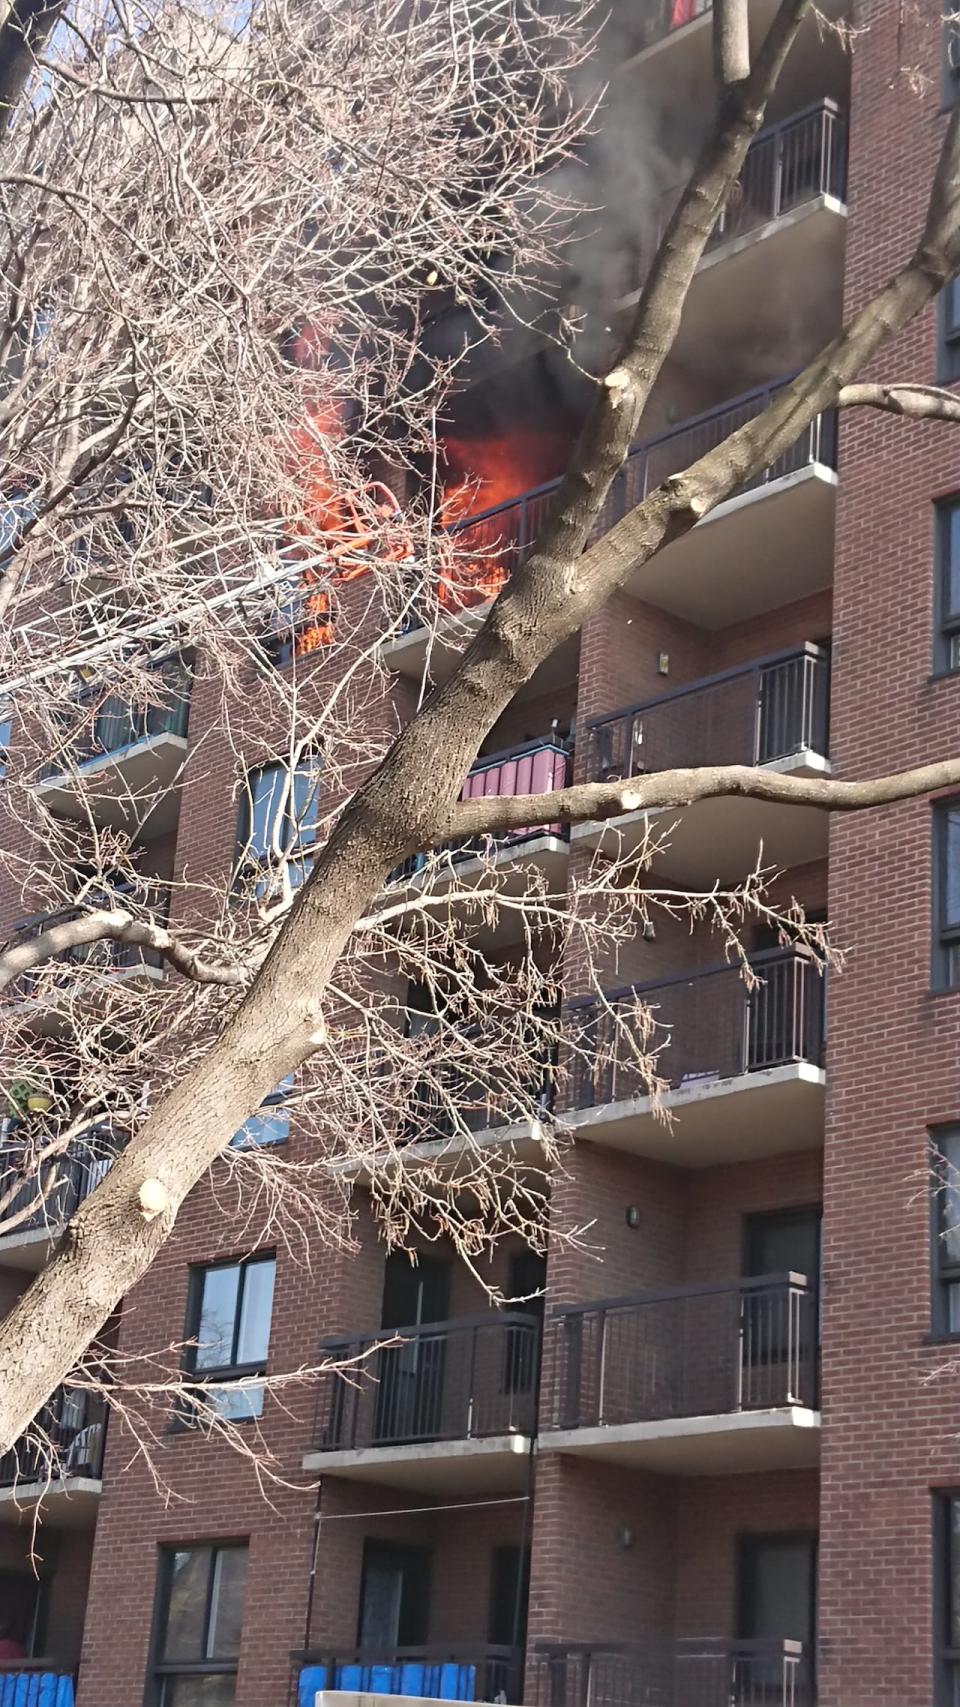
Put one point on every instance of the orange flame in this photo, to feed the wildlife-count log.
(484, 474)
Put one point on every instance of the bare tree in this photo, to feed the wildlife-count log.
(226, 251)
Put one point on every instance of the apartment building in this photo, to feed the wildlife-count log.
(710, 1456)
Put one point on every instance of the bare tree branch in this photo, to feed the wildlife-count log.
(914, 402)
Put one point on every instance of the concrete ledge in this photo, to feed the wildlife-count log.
(734, 1443)
(715, 1120)
(67, 1502)
(353, 1698)
(491, 1464)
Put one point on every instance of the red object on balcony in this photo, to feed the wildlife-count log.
(538, 767)
(684, 12)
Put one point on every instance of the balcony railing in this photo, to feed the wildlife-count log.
(535, 767)
(104, 956)
(692, 1672)
(115, 724)
(758, 714)
(506, 533)
(790, 163)
(692, 1351)
(66, 1440)
(77, 1173)
(718, 1028)
(445, 1381)
(458, 1672)
(35, 1683)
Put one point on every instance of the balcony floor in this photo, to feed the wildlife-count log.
(119, 789)
(50, 1020)
(720, 840)
(737, 1443)
(760, 550)
(739, 1119)
(521, 1144)
(28, 1251)
(71, 1502)
(434, 654)
(495, 1464)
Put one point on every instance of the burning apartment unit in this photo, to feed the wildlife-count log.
(697, 1456)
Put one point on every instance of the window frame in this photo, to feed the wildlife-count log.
(296, 844)
(948, 333)
(218, 1375)
(944, 1272)
(946, 1658)
(946, 936)
(950, 64)
(161, 1671)
(947, 636)
(278, 1099)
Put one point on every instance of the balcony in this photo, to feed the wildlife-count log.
(57, 1467)
(505, 862)
(695, 1671)
(773, 712)
(458, 1672)
(77, 1173)
(35, 1683)
(438, 1408)
(785, 220)
(769, 545)
(744, 1068)
(698, 1380)
(43, 996)
(123, 765)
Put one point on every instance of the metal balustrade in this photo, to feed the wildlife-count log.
(506, 532)
(691, 1672)
(533, 767)
(456, 1380)
(61, 1184)
(114, 725)
(742, 1345)
(757, 714)
(103, 956)
(798, 160)
(66, 1440)
(718, 1028)
(442, 1672)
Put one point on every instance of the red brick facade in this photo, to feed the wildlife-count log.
(624, 1548)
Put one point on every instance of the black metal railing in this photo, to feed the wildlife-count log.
(743, 1345)
(506, 532)
(104, 955)
(795, 161)
(691, 1672)
(114, 724)
(454, 1672)
(448, 1100)
(61, 1184)
(442, 1381)
(718, 1027)
(66, 1440)
(756, 714)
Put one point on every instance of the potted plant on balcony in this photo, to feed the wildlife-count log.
(25, 1096)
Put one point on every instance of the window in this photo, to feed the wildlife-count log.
(948, 327)
(946, 895)
(945, 1229)
(947, 560)
(271, 1125)
(951, 60)
(6, 731)
(229, 1320)
(278, 821)
(200, 1613)
(947, 1596)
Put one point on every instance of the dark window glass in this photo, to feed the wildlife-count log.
(945, 1175)
(394, 1598)
(946, 887)
(948, 316)
(229, 1320)
(951, 58)
(278, 821)
(201, 1613)
(947, 557)
(947, 1597)
(271, 1125)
